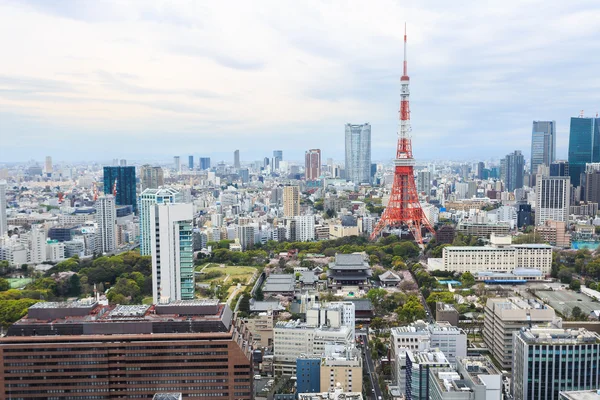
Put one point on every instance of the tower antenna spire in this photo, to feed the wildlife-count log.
(405, 63)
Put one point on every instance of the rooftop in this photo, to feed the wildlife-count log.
(450, 381)
(552, 336)
(89, 318)
(279, 283)
(580, 395)
(332, 395)
(435, 357)
(349, 261)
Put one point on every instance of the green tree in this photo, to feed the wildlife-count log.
(13, 310)
(467, 279)
(4, 285)
(577, 313)
(245, 304)
(411, 311)
(376, 296)
(258, 295)
(575, 285)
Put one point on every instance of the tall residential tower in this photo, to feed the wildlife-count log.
(312, 164)
(172, 252)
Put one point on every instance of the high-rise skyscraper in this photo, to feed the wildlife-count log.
(278, 156)
(424, 181)
(552, 199)
(559, 168)
(151, 177)
(148, 199)
(48, 166)
(125, 188)
(236, 159)
(172, 253)
(584, 146)
(291, 201)
(3, 215)
(547, 361)
(177, 163)
(592, 183)
(191, 162)
(543, 144)
(244, 175)
(312, 164)
(204, 163)
(106, 218)
(358, 153)
(122, 162)
(513, 170)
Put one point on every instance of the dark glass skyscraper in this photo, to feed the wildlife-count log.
(584, 146)
(513, 170)
(559, 168)
(126, 186)
(191, 162)
(543, 144)
(204, 163)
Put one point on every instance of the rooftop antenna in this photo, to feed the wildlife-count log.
(581, 114)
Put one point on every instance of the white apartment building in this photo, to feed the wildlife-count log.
(106, 217)
(37, 244)
(335, 315)
(421, 337)
(500, 256)
(172, 253)
(552, 199)
(305, 228)
(55, 250)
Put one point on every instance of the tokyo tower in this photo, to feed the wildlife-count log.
(404, 209)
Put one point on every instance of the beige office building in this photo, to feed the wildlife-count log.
(503, 316)
(291, 201)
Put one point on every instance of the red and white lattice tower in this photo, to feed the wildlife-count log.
(404, 209)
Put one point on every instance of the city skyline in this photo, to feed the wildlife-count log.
(123, 72)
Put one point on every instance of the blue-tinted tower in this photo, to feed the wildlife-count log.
(126, 185)
(584, 146)
(191, 162)
(308, 375)
(204, 163)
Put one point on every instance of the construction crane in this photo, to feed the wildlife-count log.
(114, 191)
(95, 191)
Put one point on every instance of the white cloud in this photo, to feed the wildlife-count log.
(288, 75)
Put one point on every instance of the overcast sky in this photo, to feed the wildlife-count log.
(95, 80)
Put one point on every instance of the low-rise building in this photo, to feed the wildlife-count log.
(349, 270)
(261, 328)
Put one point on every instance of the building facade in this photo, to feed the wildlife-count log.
(3, 215)
(89, 351)
(291, 201)
(584, 146)
(236, 159)
(503, 317)
(204, 163)
(553, 196)
(121, 180)
(172, 253)
(548, 361)
(543, 144)
(312, 164)
(106, 218)
(513, 171)
(148, 199)
(358, 153)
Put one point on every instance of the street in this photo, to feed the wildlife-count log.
(370, 366)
